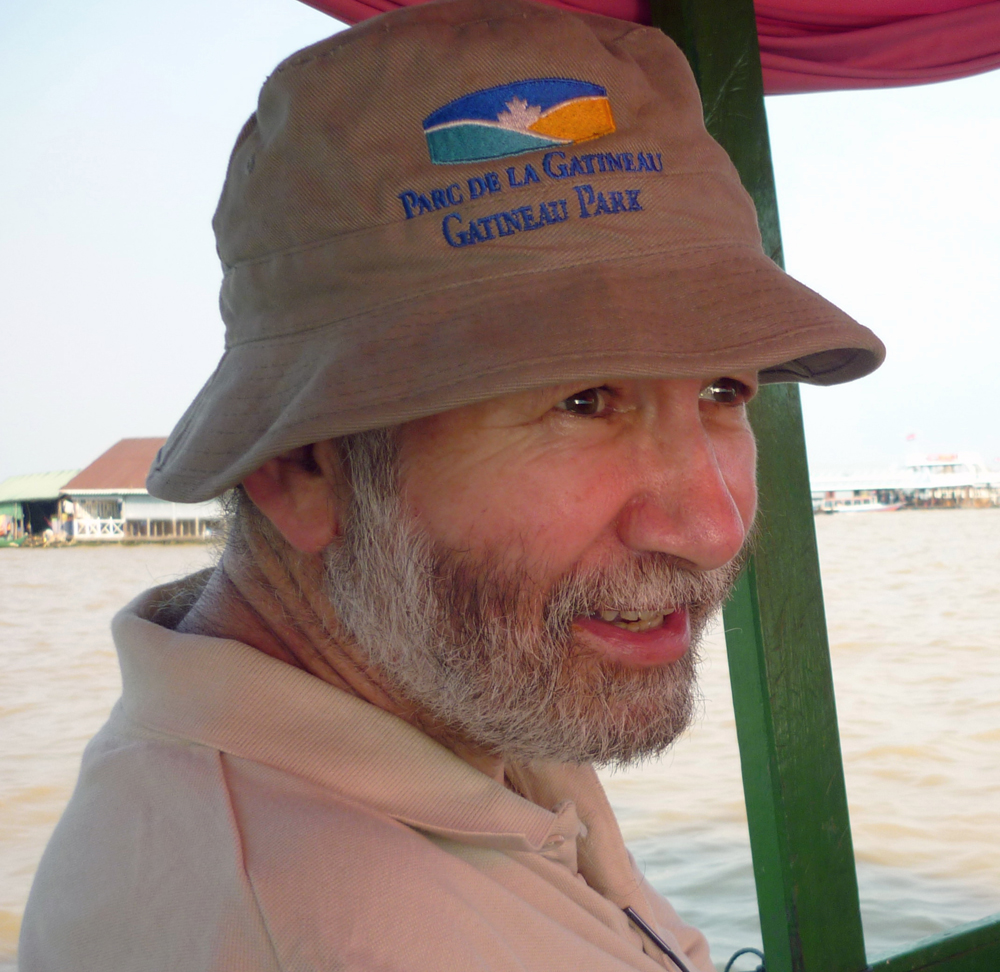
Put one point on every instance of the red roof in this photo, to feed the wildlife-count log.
(123, 466)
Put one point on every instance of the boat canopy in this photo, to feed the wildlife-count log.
(824, 45)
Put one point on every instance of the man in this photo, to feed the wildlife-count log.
(495, 304)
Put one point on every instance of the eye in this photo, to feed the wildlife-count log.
(726, 391)
(589, 402)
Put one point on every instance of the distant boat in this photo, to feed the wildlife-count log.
(857, 504)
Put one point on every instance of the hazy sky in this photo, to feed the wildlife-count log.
(117, 118)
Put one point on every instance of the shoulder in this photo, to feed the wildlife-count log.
(173, 856)
(144, 870)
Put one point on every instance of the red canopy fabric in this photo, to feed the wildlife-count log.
(825, 45)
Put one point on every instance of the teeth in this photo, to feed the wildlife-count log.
(643, 624)
(637, 620)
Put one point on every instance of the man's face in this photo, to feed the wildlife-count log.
(539, 579)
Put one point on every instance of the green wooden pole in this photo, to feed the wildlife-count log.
(970, 948)
(775, 625)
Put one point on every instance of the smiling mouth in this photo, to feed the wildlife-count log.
(635, 620)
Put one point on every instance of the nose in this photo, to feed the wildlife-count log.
(695, 488)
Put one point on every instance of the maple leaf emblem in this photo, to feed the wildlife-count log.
(519, 116)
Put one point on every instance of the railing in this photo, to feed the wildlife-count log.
(99, 529)
(779, 659)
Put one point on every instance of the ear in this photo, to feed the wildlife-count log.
(302, 493)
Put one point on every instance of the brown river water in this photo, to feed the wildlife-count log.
(913, 607)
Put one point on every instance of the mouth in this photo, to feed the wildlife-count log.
(632, 620)
(638, 638)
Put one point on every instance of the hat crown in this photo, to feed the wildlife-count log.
(337, 135)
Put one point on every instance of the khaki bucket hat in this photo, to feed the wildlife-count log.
(462, 199)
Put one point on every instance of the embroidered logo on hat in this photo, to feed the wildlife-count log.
(511, 119)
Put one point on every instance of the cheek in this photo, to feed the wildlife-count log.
(737, 460)
(551, 506)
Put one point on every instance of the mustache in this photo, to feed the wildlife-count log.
(645, 582)
(487, 595)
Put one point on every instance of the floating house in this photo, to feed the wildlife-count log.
(943, 481)
(108, 500)
(32, 504)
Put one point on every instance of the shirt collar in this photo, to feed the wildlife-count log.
(234, 698)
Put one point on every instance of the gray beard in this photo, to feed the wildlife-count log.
(493, 659)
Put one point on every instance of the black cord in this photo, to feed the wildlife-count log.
(746, 951)
(673, 956)
(657, 941)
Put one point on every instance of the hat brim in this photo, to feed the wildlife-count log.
(703, 313)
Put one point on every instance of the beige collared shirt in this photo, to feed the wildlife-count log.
(236, 813)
